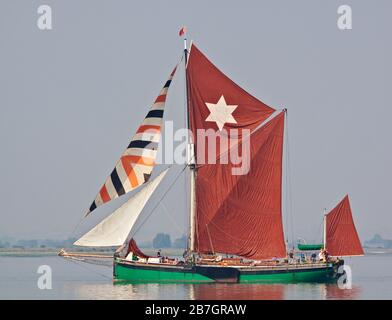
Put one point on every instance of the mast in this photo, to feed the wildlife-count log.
(325, 228)
(191, 163)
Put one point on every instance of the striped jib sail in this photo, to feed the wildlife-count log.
(136, 163)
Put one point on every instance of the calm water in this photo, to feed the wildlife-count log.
(372, 279)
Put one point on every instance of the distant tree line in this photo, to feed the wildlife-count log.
(163, 240)
(4, 244)
(378, 242)
(34, 243)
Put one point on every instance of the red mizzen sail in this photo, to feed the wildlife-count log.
(236, 214)
(341, 235)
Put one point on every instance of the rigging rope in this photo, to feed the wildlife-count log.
(288, 182)
(176, 225)
(79, 263)
(319, 233)
(162, 197)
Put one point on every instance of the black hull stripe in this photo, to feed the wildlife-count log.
(241, 271)
(255, 272)
(157, 268)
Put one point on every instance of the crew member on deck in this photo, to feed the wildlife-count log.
(291, 256)
(321, 255)
(324, 255)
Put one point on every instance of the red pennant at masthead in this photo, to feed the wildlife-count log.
(182, 31)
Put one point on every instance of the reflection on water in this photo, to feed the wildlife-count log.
(220, 291)
(128, 291)
(334, 292)
(214, 291)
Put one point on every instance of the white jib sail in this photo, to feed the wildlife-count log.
(114, 230)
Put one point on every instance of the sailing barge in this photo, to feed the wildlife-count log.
(236, 231)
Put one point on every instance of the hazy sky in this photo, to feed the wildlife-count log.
(72, 97)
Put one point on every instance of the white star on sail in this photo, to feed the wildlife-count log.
(221, 112)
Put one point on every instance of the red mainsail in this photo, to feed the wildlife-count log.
(236, 214)
(341, 235)
(207, 84)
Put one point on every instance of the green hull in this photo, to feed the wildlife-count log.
(144, 275)
(134, 273)
(292, 276)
